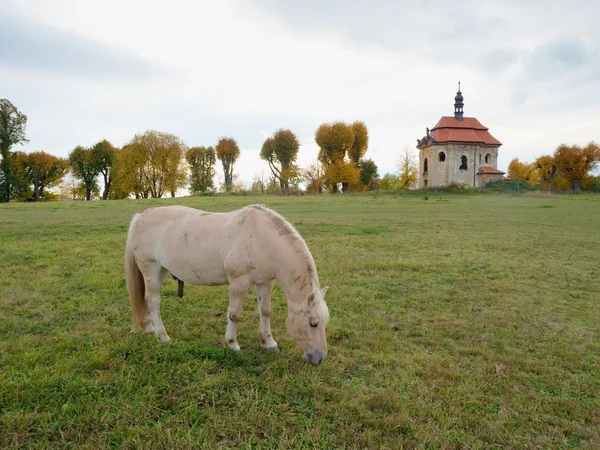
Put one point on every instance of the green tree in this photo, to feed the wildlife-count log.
(12, 132)
(41, 170)
(368, 174)
(85, 168)
(228, 152)
(389, 182)
(281, 151)
(104, 157)
(575, 162)
(408, 174)
(202, 162)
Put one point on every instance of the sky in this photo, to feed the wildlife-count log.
(83, 71)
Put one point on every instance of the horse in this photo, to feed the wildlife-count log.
(249, 246)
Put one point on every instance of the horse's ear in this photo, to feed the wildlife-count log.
(311, 298)
(324, 291)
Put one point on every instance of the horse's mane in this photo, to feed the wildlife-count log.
(289, 231)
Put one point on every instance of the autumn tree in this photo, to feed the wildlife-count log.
(523, 172)
(85, 168)
(340, 148)
(12, 132)
(201, 161)
(104, 157)
(228, 152)
(408, 171)
(281, 151)
(41, 170)
(575, 162)
(314, 177)
(151, 165)
(360, 144)
(546, 169)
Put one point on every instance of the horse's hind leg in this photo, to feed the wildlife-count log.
(263, 290)
(237, 294)
(153, 276)
(148, 323)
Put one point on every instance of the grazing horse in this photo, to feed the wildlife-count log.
(252, 245)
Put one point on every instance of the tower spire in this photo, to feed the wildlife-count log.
(458, 104)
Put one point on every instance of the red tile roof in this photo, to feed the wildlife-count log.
(489, 170)
(450, 129)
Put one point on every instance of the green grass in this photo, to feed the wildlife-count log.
(457, 321)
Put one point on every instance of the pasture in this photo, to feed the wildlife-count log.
(460, 321)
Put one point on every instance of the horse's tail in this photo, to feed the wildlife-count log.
(135, 282)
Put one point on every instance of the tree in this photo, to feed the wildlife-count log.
(151, 165)
(408, 174)
(314, 177)
(546, 169)
(41, 170)
(228, 152)
(12, 132)
(341, 147)
(202, 162)
(360, 144)
(523, 172)
(85, 168)
(575, 162)
(104, 157)
(281, 151)
(389, 182)
(368, 174)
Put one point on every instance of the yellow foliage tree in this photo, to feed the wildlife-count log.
(574, 162)
(341, 146)
(228, 152)
(151, 165)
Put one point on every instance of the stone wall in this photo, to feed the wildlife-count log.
(442, 173)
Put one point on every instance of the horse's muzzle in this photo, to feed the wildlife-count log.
(314, 356)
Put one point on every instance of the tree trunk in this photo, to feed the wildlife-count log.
(88, 194)
(576, 185)
(106, 188)
(335, 188)
(172, 194)
(345, 187)
(36, 187)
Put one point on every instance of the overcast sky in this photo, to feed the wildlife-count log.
(83, 71)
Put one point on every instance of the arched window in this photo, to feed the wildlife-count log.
(463, 163)
(425, 166)
(442, 157)
(488, 158)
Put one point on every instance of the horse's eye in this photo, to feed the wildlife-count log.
(313, 323)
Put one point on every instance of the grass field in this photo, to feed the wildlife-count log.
(460, 321)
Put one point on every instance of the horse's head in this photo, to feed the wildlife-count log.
(306, 325)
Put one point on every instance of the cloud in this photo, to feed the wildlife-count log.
(32, 46)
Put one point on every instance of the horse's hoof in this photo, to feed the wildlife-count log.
(274, 349)
(235, 346)
(164, 338)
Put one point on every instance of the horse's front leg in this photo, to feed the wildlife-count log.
(263, 290)
(237, 294)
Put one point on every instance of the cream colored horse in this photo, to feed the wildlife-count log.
(253, 245)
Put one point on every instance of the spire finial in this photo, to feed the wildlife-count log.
(458, 104)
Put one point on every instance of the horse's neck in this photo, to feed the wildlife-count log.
(298, 276)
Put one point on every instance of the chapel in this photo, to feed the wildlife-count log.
(459, 150)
